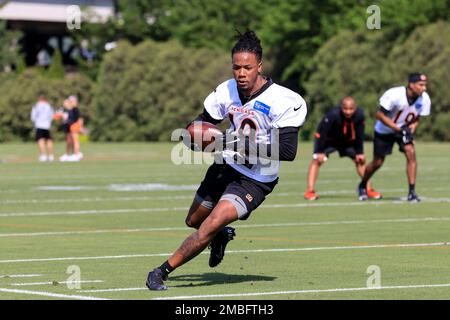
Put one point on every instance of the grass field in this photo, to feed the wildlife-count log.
(120, 212)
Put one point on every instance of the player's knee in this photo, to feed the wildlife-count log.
(377, 163)
(188, 221)
(191, 223)
(319, 162)
(207, 232)
(410, 153)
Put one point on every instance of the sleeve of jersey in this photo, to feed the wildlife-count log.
(214, 107)
(386, 100)
(426, 108)
(289, 112)
(33, 114)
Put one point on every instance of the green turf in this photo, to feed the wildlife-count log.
(321, 246)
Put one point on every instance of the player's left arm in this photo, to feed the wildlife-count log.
(288, 137)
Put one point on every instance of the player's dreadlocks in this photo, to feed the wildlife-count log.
(248, 42)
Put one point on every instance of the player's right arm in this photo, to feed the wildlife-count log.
(382, 115)
(33, 114)
(323, 131)
(213, 110)
(206, 117)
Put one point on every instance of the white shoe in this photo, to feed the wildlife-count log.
(42, 158)
(79, 155)
(72, 158)
(51, 158)
(64, 158)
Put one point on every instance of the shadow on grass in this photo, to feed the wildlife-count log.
(213, 278)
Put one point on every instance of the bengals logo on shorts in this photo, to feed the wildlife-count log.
(249, 197)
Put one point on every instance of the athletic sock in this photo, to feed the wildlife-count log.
(363, 184)
(412, 188)
(166, 268)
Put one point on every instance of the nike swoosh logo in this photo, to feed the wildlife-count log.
(295, 109)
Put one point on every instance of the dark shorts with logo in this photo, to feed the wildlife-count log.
(344, 151)
(384, 143)
(222, 179)
(43, 134)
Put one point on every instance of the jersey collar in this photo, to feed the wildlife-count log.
(245, 99)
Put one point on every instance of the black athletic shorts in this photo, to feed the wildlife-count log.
(344, 151)
(383, 144)
(222, 179)
(43, 134)
(65, 128)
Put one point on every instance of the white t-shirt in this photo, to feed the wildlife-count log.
(42, 115)
(276, 107)
(401, 112)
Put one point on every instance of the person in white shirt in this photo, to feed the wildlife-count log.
(42, 116)
(265, 119)
(397, 121)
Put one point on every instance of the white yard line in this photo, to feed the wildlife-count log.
(181, 197)
(88, 212)
(377, 246)
(114, 290)
(53, 283)
(49, 294)
(20, 276)
(267, 206)
(247, 226)
(265, 293)
(255, 294)
(95, 199)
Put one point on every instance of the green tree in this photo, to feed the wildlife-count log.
(365, 64)
(295, 30)
(56, 68)
(146, 91)
(9, 47)
(348, 64)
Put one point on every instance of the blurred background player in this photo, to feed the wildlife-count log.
(71, 126)
(397, 121)
(75, 122)
(42, 116)
(342, 130)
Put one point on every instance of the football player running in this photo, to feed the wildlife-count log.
(265, 119)
(397, 121)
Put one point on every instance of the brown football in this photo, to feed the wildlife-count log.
(202, 133)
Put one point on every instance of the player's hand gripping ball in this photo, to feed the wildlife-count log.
(201, 134)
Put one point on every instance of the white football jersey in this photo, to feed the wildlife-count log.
(401, 112)
(276, 107)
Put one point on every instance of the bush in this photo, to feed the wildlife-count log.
(146, 91)
(19, 92)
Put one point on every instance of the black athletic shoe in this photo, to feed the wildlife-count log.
(218, 245)
(155, 280)
(413, 197)
(362, 193)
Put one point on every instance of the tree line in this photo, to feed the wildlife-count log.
(171, 53)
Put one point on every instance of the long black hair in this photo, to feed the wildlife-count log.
(248, 42)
